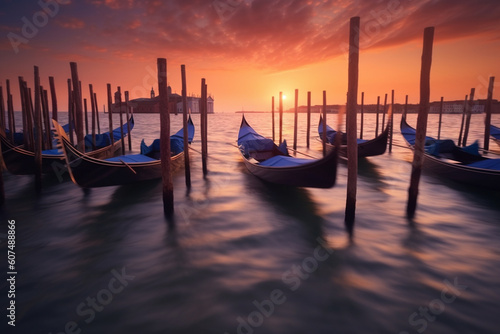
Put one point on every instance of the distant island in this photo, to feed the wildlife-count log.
(449, 107)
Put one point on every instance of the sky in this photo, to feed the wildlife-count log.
(250, 50)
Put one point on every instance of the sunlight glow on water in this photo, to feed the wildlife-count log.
(238, 239)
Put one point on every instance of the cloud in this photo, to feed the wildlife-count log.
(71, 23)
(269, 34)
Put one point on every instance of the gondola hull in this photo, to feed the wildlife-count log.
(20, 161)
(478, 177)
(369, 148)
(453, 170)
(316, 173)
(90, 172)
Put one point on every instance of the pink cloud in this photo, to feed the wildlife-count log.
(71, 23)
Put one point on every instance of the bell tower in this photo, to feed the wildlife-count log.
(152, 93)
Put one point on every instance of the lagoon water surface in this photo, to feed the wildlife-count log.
(248, 257)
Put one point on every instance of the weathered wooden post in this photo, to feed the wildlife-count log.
(71, 126)
(324, 123)
(377, 120)
(28, 116)
(405, 110)
(487, 119)
(440, 117)
(24, 100)
(418, 158)
(362, 115)
(93, 106)
(352, 103)
(53, 97)
(205, 124)
(204, 135)
(86, 114)
(2, 128)
(168, 187)
(110, 114)
(10, 112)
(272, 117)
(97, 114)
(38, 134)
(463, 121)
(468, 114)
(308, 134)
(383, 114)
(118, 102)
(127, 115)
(2, 110)
(46, 118)
(2, 187)
(281, 116)
(187, 168)
(391, 121)
(79, 110)
(295, 120)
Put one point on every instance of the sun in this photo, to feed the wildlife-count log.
(284, 97)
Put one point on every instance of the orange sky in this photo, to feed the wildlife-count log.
(250, 50)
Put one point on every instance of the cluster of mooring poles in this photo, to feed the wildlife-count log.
(37, 130)
(165, 150)
(37, 136)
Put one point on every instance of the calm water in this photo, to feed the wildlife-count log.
(246, 257)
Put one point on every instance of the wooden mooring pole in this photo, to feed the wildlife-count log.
(110, 114)
(3, 127)
(418, 158)
(308, 134)
(324, 124)
(362, 115)
(468, 115)
(440, 117)
(204, 139)
(405, 110)
(127, 116)
(86, 116)
(38, 134)
(377, 119)
(80, 140)
(46, 118)
(460, 135)
(53, 97)
(10, 112)
(168, 187)
(391, 121)
(272, 118)
(187, 168)
(71, 123)
(351, 115)
(93, 107)
(97, 114)
(487, 119)
(295, 120)
(118, 102)
(383, 114)
(281, 116)
(2, 110)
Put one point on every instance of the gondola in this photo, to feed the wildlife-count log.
(90, 172)
(20, 161)
(461, 164)
(264, 159)
(366, 148)
(495, 133)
